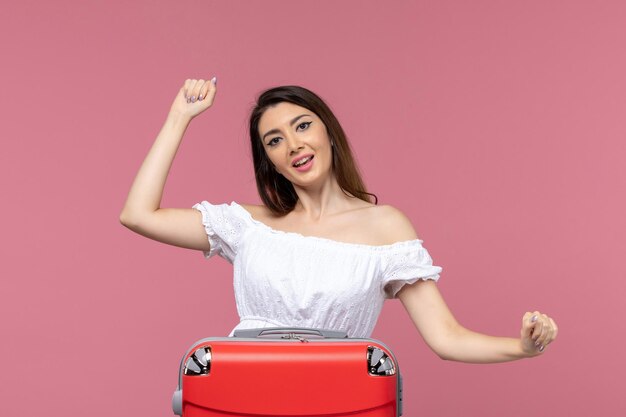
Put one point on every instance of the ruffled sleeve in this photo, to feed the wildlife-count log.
(224, 226)
(405, 263)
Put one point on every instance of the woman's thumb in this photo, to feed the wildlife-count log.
(528, 324)
(210, 95)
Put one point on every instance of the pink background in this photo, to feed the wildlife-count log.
(497, 127)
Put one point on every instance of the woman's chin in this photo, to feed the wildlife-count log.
(310, 180)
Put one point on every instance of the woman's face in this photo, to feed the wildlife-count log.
(297, 143)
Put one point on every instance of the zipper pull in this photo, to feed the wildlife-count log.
(294, 336)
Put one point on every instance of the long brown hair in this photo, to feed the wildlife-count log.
(277, 192)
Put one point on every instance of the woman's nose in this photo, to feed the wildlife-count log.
(294, 143)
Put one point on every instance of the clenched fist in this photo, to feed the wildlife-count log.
(194, 97)
(538, 330)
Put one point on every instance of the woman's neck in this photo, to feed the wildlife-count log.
(314, 203)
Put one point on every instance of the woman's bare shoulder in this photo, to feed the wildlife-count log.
(392, 223)
(258, 212)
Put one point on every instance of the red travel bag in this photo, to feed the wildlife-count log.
(288, 372)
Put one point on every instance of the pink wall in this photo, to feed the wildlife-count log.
(498, 127)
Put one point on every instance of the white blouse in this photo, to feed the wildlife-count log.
(287, 279)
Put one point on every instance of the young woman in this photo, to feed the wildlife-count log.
(317, 253)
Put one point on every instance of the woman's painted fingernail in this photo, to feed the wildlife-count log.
(193, 99)
(214, 80)
(541, 348)
(200, 97)
(534, 318)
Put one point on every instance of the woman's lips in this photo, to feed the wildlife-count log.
(305, 167)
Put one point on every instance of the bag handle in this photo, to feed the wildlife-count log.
(271, 331)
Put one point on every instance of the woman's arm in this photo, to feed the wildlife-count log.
(142, 212)
(451, 341)
(445, 336)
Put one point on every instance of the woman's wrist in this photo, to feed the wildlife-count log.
(178, 119)
(525, 352)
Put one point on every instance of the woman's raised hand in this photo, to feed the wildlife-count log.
(142, 212)
(194, 97)
(538, 330)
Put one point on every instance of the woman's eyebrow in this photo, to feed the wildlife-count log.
(291, 123)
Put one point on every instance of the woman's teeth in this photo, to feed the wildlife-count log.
(302, 161)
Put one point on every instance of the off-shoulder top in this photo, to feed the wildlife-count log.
(288, 279)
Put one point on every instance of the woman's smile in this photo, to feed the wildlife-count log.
(303, 164)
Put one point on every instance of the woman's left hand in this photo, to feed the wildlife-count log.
(538, 330)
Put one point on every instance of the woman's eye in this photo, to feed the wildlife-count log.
(273, 141)
(305, 124)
